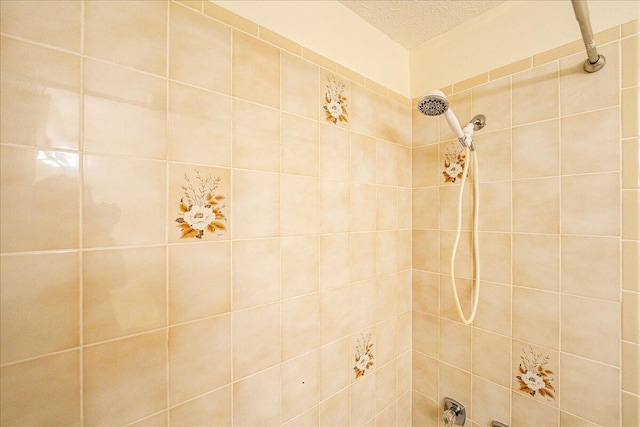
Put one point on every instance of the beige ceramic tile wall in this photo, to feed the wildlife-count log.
(558, 240)
(112, 312)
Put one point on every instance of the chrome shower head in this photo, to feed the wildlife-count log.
(433, 103)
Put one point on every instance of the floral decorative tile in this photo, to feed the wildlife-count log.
(454, 159)
(200, 202)
(534, 376)
(363, 356)
(335, 104)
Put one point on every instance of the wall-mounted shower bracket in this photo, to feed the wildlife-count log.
(454, 412)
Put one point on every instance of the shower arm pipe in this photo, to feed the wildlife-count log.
(594, 61)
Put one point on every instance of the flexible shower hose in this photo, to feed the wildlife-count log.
(476, 245)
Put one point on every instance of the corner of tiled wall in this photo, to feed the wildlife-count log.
(203, 223)
(556, 225)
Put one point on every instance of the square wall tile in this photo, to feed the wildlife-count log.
(256, 272)
(490, 402)
(631, 163)
(630, 59)
(199, 50)
(425, 334)
(536, 206)
(497, 264)
(363, 159)
(256, 204)
(594, 337)
(300, 146)
(494, 155)
(386, 163)
(119, 372)
(47, 182)
(299, 205)
(109, 28)
(587, 148)
(387, 201)
(335, 306)
(536, 317)
(44, 391)
(40, 88)
(425, 250)
(425, 375)
(630, 411)
(631, 214)
(387, 119)
(199, 357)
(497, 196)
(300, 80)
(535, 94)
(199, 281)
(578, 399)
(590, 204)
(256, 340)
(536, 150)
(363, 256)
(124, 292)
(124, 112)
(334, 153)
(424, 295)
(455, 344)
(55, 23)
(256, 137)
(363, 113)
(630, 367)
(336, 368)
(214, 408)
(300, 325)
(114, 190)
(425, 167)
(257, 400)
(334, 206)
(631, 265)
(39, 304)
(448, 203)
(630, 316)
(300, 264)
(591, 267)
(536, 261)
(363, 305)
(334, 260)
(256, 70)
(335, 411)
(300, 384)
(630, 112)
(494, 308)
(532, 413)
(363, 201)
(491, 357)
(199, 126)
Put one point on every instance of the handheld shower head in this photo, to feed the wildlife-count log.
(433, 103)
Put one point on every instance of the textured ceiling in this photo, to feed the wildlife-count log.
(413, 22)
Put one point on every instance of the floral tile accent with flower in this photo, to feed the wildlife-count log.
(534, 377)
(335, 103)
(454, 159)
(364, 355)
(201, 207)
